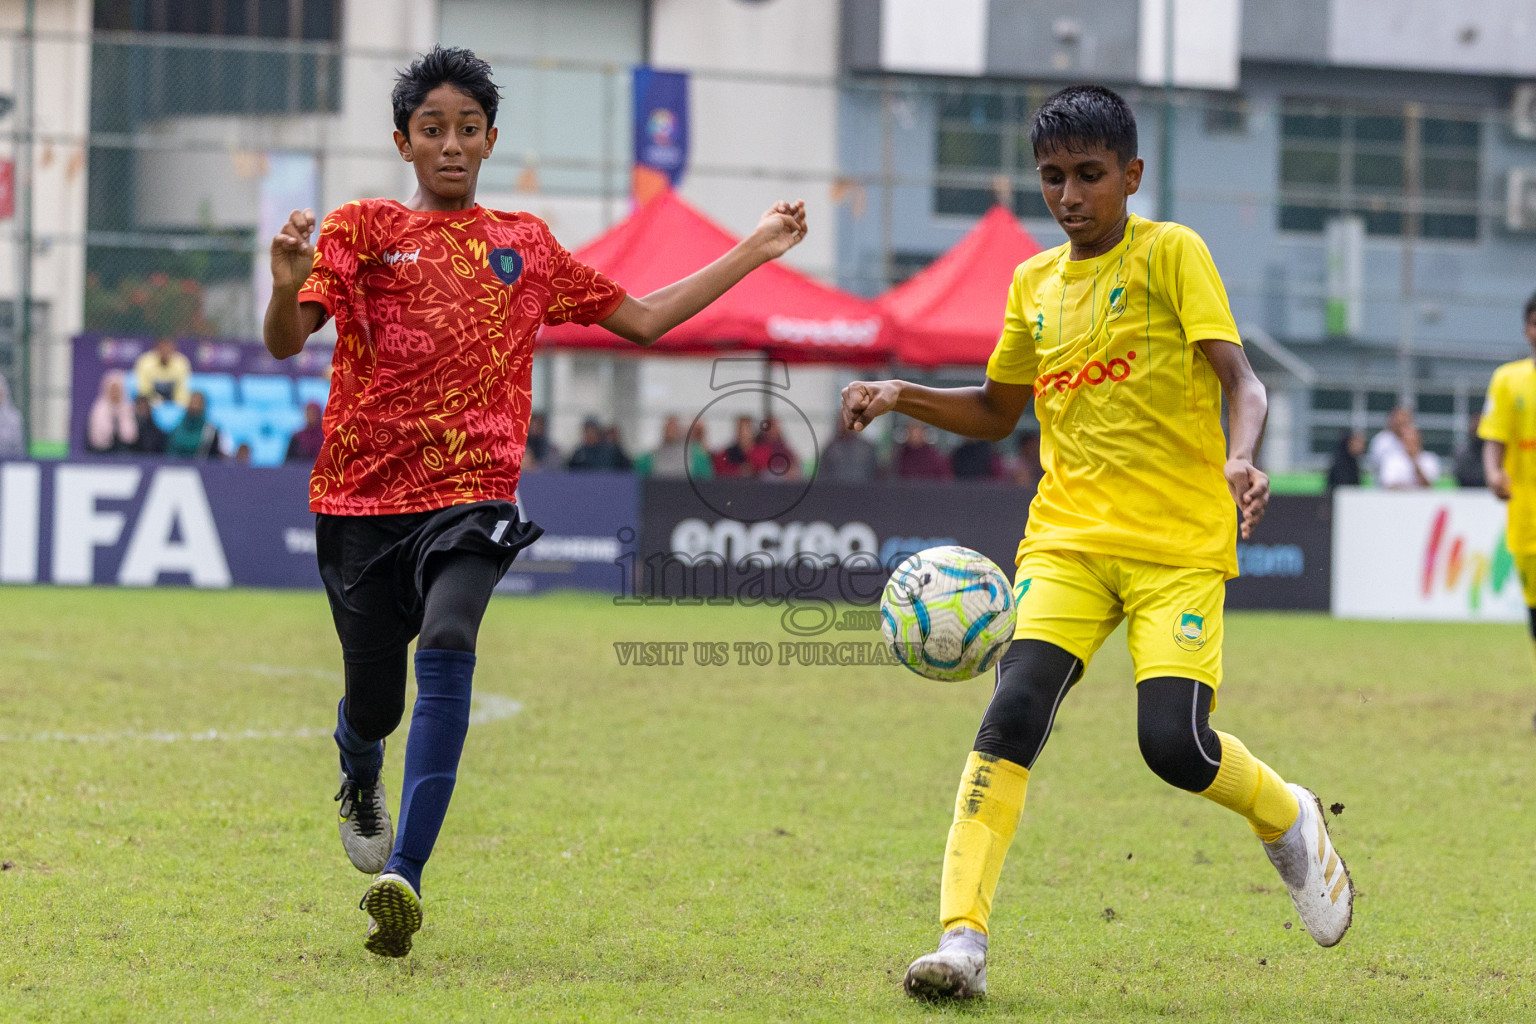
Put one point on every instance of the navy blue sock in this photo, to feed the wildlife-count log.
(432, 748)
(362, 759)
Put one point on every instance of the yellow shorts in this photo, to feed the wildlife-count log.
(1525, 565)
(1074, 600)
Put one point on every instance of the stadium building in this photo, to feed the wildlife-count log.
(1370, 197)
(1364, 173)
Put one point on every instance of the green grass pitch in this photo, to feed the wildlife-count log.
(740, 843)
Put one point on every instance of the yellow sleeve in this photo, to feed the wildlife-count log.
(1194, 288)
(1015, 359)
(183, 370)
(1498, 410)
(143, 377)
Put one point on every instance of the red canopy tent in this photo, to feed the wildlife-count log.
(951, 312)
(774, 309)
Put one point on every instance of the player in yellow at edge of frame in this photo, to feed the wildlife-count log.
(1508, 430)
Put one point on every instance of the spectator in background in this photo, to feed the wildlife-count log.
(13, 435)
(1469, 458)
(620, 457)
(976, 460)
(151, 438)
(1410, 466)
(596, 451)
(305, 444)
(848, 459)
(677, 456)
(164, 374)
(194, 437)
(1023, 466)
(1389, 442)
(1344, 470)
(736, 460)
(539, 451)
(701, 465)
(772, 457)
(919, 458)
(668, 460)
(111, 426)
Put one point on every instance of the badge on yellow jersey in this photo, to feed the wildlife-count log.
(1116, 302)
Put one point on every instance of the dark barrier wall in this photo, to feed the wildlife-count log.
(1288, 563)
(855, 533)
(588, 519)
(214, 524)
(148, 522)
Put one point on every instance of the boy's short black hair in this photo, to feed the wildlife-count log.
(444, 65)
(1530, 307)
(1080, 116)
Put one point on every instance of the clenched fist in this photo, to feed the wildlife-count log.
(292, 253)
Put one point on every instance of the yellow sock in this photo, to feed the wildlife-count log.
(1251, 788)
(987, 811)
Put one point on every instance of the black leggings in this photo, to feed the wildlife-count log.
(458, 589)
(1171, 715)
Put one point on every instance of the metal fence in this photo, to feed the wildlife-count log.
(154, 166)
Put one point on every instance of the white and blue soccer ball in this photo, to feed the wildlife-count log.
(947, 613)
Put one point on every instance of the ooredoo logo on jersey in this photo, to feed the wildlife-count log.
(1092, 373)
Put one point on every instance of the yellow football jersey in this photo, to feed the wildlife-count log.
(1509, 416)
(1129, 406)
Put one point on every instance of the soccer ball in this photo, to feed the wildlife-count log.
(947, 613)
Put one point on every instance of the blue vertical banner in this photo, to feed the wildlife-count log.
(661, 130)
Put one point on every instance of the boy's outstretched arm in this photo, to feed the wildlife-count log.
(288, 324)
(1247, 406)
(643, 320)
(989, 412)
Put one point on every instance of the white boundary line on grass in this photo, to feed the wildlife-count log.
(488, 708)
(254, 668)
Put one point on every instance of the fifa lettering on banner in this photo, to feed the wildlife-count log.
(170, 532)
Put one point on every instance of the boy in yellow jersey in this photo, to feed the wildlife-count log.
(1508, 430)
(1124, 340)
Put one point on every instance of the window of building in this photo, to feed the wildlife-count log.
(1338, 158)
(983, 153)
(317, 20)
(139, 79)
(1226, 116)
(905, 263)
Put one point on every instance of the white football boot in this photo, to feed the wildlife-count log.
(367, 834)
(1314, 872)
(957, 971)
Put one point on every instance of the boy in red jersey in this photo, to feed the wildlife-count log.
(437, 302)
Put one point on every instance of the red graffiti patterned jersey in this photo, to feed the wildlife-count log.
(436, 314)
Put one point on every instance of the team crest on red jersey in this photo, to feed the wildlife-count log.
(507, 263)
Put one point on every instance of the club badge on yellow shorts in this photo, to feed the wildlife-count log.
(1189, 631)
(1075, 599)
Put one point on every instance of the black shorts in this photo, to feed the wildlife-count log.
(375, 568)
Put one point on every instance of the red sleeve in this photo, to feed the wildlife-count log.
(578, 294)
(337, 253)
